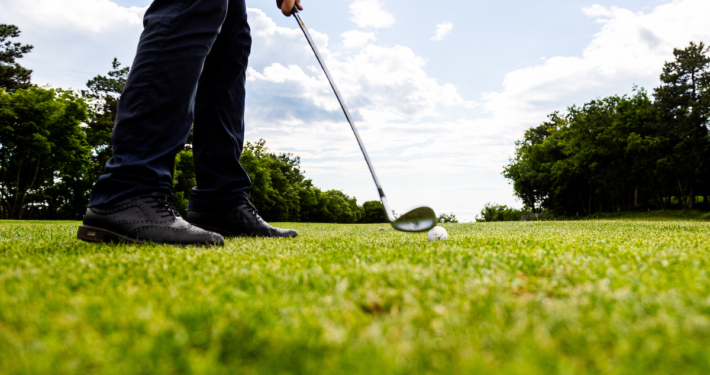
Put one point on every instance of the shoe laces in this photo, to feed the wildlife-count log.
(164, 204)
(254, 211)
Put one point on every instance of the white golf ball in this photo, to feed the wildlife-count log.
(438, 233)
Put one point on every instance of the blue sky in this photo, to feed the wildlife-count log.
(491, 38)
(440, 115)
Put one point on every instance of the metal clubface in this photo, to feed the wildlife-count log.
(418, 220)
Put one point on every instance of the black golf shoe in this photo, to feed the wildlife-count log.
(145, 218)
(242, 220)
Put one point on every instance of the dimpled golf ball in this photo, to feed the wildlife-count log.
(438, 234)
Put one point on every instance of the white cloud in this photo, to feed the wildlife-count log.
(390, 81)
(597, 10)
(357, 39)
(630, 48)
(74, 40)
(442, 30)
(88, 16)
(370, 13)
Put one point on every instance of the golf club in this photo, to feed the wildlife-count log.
(417, 220)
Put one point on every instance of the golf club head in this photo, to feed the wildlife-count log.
(417, 220)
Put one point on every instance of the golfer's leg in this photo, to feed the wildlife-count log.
(156, 108)
(219, 203)
(219, 118)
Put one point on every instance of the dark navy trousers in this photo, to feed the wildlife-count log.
(189, 69)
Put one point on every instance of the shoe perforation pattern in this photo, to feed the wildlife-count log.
(125, 220)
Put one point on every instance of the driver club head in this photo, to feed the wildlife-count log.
(417, 220)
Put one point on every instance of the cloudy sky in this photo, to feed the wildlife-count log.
(440, 90)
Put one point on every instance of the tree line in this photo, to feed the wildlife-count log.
(631, 152)
(54, 144)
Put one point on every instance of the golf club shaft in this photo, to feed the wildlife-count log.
(383, 198)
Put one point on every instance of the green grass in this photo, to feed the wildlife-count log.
(582, 297)
(657, 215)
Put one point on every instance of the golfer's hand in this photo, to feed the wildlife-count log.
(286, 6)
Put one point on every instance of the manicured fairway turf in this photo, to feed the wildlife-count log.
(591, 297)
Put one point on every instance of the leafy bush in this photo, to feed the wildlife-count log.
(184, 179)
(374, 213)
(497, 212)
(281, 191)
(448, 218)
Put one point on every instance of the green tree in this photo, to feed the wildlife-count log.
(184, 179)
(683, 100)
(448, 218)
(43, 153)
(276, 181)
(496, 212)
(12, 75)
(594, 163)
(530, 169)
(373, 212)
(339, 208)
(280, 191)
(645, 146)
(103, 93)
(602, 156)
